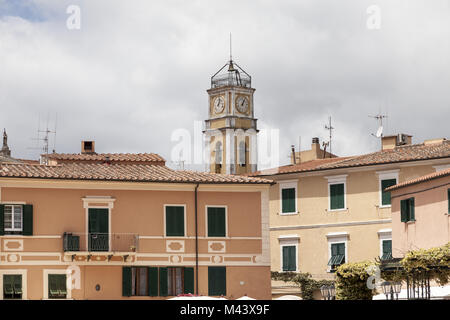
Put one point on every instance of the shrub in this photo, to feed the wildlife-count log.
(304, 280)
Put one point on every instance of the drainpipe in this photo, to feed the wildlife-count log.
(196, 240)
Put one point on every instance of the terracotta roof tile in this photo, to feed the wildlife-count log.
(428, 177)
(406, 153)
(114, 157)
(300, 167)
(120, 172)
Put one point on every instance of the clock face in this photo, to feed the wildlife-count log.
(219, 104)
(242, 104)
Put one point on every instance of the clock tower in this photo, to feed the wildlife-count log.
(230, 130)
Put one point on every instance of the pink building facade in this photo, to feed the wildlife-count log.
(421, 213)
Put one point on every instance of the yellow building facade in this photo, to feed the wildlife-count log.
(326, 212)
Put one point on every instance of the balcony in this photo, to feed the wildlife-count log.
(98, 243)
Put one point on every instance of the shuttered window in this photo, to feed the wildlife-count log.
(216, 222)
(289, 258)
(407, 210)
(175, 221)
(386, 195)
(337, 200)
(448, 200)
(16, 219)
(337, 255)
(288, 200)
(12, 286)
(217, 281)
(387, 250)
(57, 288)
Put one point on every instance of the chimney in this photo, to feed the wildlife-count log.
(293, 154)
(393, 141)
(87, 147)
(315, 146)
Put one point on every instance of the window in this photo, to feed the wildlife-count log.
(57, 288)
(407, 210)
(12, 286)
(217, 281)
(337, 196)
(337, 255)
(153, 281)
(288, 199)
(175, 221)
(16, 219)
(337, 187)
(216, 221)
(139, 281)
(288, 196)
(289, 258)
(13, 218)
(242, 154)
(387, 250)
(448, 200)
(386, 195)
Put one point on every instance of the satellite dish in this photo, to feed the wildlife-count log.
(379, 132)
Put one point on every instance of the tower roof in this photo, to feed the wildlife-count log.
(231, 74)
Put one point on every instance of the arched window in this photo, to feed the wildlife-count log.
(218, 153)
(242, 153)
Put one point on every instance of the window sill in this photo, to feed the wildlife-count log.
(337, 210)
(410, 222)
(289, 213)
(385, 206)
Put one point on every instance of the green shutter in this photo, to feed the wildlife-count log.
(448, 201)
(126, 281)
(175, 221)
(163, 282)
(2, 219)
(337, 196)
(387, 250)
(292, 259)
(288, 200)
(386, 196)
(289, 258)
(216, 222)
(17, 284)
(189, 280)
(153, 281)
(217, 281)
(285, 258)
(337, 254)
(403, 210)
(27, 220)
(412, 215)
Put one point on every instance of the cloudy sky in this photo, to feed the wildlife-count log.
(136, 71)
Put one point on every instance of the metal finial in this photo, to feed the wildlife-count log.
(231, 57)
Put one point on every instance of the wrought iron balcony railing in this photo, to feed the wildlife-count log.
(98, 242)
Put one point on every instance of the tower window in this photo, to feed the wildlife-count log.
(219, 152)
(242, 154)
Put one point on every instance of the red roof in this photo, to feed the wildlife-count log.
(415, 152)
(428, 177)
(113, 157)
(120, 172)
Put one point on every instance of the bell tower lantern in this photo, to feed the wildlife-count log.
(230, 130)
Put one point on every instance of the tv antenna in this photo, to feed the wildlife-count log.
(379, 118)
(44, 136)
(330, 128)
